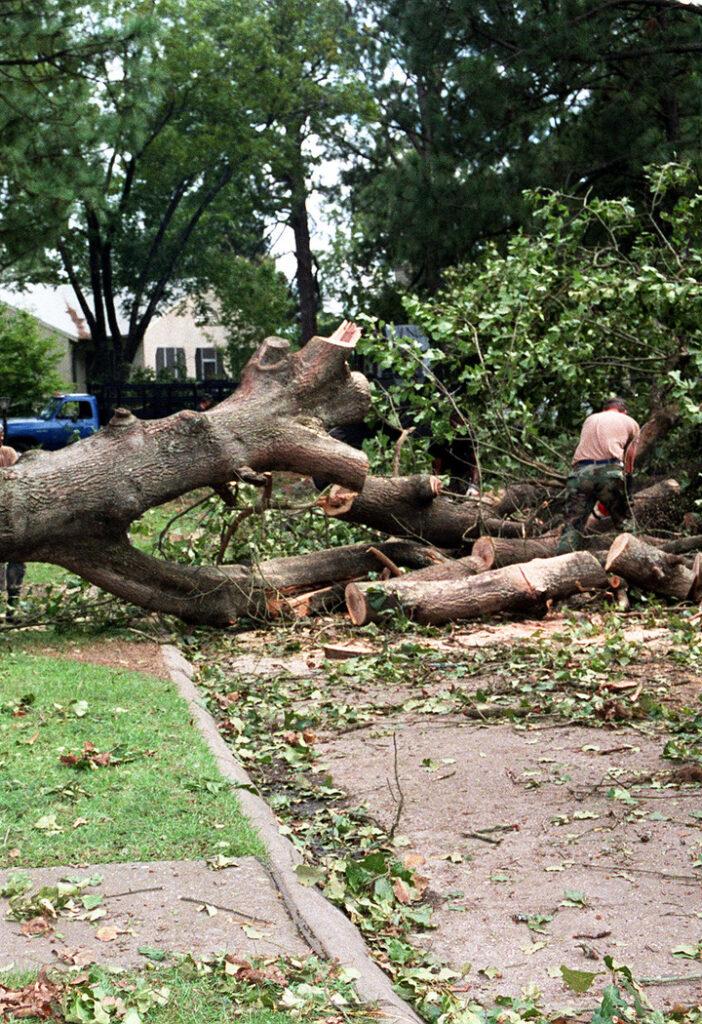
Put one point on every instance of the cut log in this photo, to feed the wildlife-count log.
(512, 589)
(658, 507)
(682, 545)
(650, 568)
(412, 506)
(498, 552)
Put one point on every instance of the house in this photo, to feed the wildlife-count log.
(175, 341)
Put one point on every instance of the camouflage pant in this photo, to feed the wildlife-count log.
(11, 575)
(584, 488)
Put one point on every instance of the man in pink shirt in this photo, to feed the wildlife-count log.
(602, 461)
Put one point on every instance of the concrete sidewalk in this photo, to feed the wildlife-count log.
(171, 906)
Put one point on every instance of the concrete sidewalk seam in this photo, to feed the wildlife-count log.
(327, 930)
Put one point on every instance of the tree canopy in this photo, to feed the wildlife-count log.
(597, 297)
(29, 360)
(478, 102)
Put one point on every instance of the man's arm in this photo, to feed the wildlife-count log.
(630, 456)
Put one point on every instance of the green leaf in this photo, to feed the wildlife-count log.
(578, 981)
(309, 875)
(152, 953)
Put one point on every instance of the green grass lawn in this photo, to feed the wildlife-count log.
(214, 991)
(165, 800)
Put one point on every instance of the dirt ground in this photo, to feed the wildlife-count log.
(163, 907)
(544, 843)
(135, 656)
(557, 831)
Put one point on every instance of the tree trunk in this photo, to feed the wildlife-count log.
(73, 507)
(412, 506)
(525, 498)
(498, 552)
(307, 289)
(650, 568)
(512, 589)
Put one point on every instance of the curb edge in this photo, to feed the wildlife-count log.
(327, 930)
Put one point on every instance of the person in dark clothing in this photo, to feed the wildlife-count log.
(11, 576)
(456, 458)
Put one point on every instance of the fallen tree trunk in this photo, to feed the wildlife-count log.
(650, 568)
(74, 507)
(497, 552)
(512, 589)
(412, 506)
(525, 497)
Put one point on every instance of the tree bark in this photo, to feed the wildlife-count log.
(412, 506)
(658, 506)
(498, 552)
(525, 498)
(307, 288)
(73, 507)
(650, 568)
(515, 588)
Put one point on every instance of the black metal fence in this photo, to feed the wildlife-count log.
(155, 399)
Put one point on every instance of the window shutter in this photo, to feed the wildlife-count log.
(198, 363)
(160, 359)
(180, 366)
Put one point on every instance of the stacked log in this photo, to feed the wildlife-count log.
(412, 506)
(515, 588)
(648, 567)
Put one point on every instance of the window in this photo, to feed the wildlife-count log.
(170, 362)
(209, 363)
(75, 410)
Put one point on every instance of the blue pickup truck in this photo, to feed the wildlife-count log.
(64, 418)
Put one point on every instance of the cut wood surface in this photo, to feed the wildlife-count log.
(412, 506)
(649, 567)
(511, 589)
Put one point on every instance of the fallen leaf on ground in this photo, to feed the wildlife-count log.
(152, 953)
(48, 824)
(219, 862)
(34, 1000)
(78, 957)
(402, 893)
(108, 933)
(309, 875)
(36, 926)
(89, 757)
(579, 981)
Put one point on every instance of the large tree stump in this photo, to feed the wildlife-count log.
(512, 589)
(650, 568)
